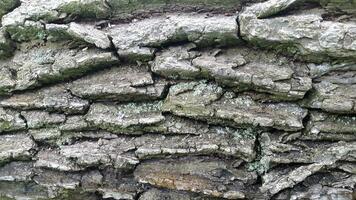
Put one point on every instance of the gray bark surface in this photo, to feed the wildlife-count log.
(177, 100)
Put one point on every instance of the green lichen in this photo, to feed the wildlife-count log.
(262, 162)
(134, 57)
(6, 46)
(182, 87)
(128, 112)
(95, 9)
(6, 198)
(138, 108)
(259, 166)
(5, 126)
(58, 35)
(44, 16)
(26, 33)
(7, 5)
(248, 133)
(218, 39)
(5, 52)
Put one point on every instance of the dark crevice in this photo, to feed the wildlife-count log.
(239, 29)
(305, 121)
(113, 48)
(165, 91)
(138, 195)
(24, 119)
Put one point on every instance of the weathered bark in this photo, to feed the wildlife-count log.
(177, 99)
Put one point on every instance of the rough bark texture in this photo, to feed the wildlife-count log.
(177, 99)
